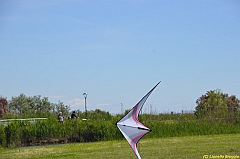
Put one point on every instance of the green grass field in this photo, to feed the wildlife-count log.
(175, 147)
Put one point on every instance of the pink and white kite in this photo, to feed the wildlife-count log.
(131, 128)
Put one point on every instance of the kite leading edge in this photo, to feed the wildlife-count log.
(131, 128)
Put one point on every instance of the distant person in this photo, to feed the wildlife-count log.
(60, 117)
(73, 115)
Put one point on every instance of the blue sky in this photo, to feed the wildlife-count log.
(116, 51)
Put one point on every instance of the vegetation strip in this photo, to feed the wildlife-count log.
(40, 132)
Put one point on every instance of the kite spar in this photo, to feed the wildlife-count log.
(131, 128)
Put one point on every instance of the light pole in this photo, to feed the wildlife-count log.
(85, 96)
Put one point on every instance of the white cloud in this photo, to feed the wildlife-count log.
(76, 102)
(56, 96)
(104, 104)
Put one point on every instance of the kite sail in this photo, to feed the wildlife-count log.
(131, 128)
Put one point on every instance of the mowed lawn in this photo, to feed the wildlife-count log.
(175, 147)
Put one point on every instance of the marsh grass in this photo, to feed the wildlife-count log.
(172, 147)
(23, 133)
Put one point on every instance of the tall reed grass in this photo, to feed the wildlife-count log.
(50, 131)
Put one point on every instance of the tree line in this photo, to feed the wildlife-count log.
(216, 104)
(35, 105)
(212, 104)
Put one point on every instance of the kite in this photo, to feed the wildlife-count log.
(131, 128)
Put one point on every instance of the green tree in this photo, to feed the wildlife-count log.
(24, 105)
(60, 107)
(215, 104)
(19, 105)
(233, 104)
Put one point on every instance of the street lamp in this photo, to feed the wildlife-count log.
(85, 96)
